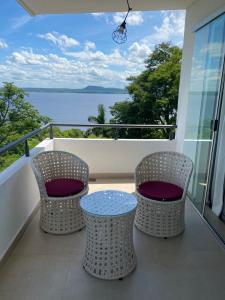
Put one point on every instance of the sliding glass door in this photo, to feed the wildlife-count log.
(203, 104)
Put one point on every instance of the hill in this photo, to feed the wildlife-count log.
(88, 90)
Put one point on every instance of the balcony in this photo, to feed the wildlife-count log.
(35, 265)
(43, 266)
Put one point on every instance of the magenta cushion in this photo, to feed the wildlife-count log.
(63, 187)
(159, 190)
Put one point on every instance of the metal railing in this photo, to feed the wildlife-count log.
(50, 126)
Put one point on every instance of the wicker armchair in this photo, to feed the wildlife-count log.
(60, 214)
(159, 217)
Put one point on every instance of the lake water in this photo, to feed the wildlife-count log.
(71, 107)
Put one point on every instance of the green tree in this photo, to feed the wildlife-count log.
(99, 119)
(68, 133)
(17, 116)
(154, 94)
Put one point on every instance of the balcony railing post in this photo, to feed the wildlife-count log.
(26, 148)
(171, 135)
(51, 135)
(116, 136)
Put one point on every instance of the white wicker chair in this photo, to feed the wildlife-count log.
(162, 218)
(60, 215)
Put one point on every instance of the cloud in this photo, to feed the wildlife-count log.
(139, 51)
(89, 45)
(87, 64)
(134, 18)
(27, 57)
(133, 58)
(61, 41)
(3, 44)
(172, 27)
(72, 69)
(97, 58)
(20, 22)
(98, 14)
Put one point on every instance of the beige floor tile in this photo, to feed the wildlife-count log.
(188, 267)
(36, 242)
(30, 277)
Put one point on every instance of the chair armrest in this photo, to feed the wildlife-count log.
(40, 180)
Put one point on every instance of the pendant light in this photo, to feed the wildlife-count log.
(119, 36)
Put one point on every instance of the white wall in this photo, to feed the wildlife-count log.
(19, 195)
(106, 156)
(195, 14)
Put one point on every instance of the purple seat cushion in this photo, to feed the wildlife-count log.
(161, 191)
(63, 187)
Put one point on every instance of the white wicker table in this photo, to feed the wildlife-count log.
(109, 217)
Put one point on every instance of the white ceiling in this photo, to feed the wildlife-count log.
(35, 7)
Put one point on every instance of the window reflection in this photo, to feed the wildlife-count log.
(204, 86)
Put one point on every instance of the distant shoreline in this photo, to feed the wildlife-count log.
(87, 90)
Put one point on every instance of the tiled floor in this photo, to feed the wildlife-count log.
(188, 267)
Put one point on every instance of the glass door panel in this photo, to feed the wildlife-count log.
(204, 88)
(214, 210)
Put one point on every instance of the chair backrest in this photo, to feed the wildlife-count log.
(59, 164)
(167, 166)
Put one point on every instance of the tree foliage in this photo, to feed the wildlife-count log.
(154, 94)
(99, 119)
(17, 116)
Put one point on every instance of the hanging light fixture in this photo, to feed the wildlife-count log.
(120, 34)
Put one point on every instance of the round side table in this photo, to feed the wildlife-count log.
(109, 217)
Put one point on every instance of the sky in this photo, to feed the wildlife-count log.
(77, 50)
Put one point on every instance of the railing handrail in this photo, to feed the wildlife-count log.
(29, 135)
(23, 139)
(109, 125)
